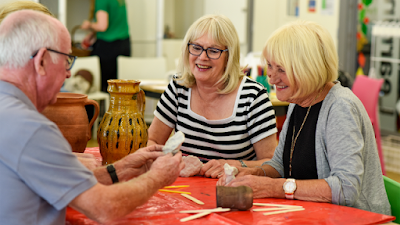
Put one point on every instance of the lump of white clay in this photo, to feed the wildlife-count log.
(192, 166)
(173, 143)
(230, 172)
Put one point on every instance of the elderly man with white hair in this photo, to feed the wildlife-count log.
(40, 175)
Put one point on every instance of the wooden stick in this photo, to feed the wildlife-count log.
(219, 209)
(180, 192)
(283, 211)
(198, 215)
(272, 209)
(178, 186)
(278, 205)
(193, 199)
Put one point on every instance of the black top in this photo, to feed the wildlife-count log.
(303, 160)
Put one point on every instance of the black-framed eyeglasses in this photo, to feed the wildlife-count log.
(212, 53)
(70, 59)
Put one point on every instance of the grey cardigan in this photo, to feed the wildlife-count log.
(346, 152)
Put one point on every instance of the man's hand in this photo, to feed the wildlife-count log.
(165, 169)
(137, 163)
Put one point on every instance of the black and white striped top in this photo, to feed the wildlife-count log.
(252, 120)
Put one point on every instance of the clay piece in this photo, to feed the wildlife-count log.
(230, 172)
(173, 143)
(192, 166)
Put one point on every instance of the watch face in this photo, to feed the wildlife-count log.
(290, 187)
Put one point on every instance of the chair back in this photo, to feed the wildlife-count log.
(393, 192)
(92, 64)
(138, 68)
(367, 90)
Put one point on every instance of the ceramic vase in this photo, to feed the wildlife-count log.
(240, 197)
(122, 130)
(70, 115)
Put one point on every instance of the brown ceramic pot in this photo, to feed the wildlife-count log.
(70, 115)
(122, 130)
(240, 197)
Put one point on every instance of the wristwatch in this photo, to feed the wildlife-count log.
(289, 187)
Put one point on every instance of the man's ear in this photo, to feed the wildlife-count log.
(40, 62)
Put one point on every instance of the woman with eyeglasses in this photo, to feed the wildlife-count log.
(226, 117)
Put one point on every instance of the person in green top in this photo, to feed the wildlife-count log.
(111, 32)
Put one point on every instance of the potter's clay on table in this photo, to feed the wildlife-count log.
(192, 167)
(230, 172)
(70, 115)
(122, 130)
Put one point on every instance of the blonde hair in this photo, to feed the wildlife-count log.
(221, 30)
(308, 54)
(8, 8)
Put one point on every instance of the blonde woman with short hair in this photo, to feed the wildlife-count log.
(327, 150)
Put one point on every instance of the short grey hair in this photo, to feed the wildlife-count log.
(22, 37)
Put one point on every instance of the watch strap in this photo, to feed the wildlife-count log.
(113, 174)
(289, 196)
(242, 163)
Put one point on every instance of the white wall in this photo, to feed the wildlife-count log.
(236, 12)
(77, 11)
(169, 14)
(186, 12)
(271, 14)
(265, 21)
(178, 15)
(142, 27)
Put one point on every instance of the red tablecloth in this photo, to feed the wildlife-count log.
(163, 208)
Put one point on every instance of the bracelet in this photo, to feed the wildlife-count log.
(242, 163)
(113, 174)
(265, 174)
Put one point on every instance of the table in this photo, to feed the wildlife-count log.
(163, 208)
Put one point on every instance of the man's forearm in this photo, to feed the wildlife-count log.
(131, 194)
(107, 203)
(102, 175)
